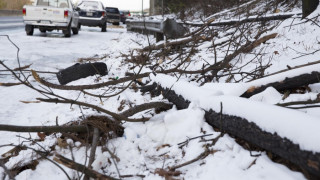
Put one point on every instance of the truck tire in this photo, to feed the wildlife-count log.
(76, 29)
(67, 32)
(42, 30)
(29, 30)
(104, 27)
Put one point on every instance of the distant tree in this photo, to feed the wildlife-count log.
(308, 6)
(13, 4)
(2, 4)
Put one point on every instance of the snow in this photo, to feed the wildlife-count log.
(273, 119)
(145, 147)
(270, 96)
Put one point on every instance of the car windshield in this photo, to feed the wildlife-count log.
(112, 10)
(54, 3)
(90, 5)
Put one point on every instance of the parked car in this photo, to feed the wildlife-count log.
(113, 15)
(124, 15)
(92, 13)
(48, 15)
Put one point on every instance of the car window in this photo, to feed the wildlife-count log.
(112, 10)
(54, 3)
(90, 5)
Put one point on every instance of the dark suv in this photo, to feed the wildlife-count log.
(113, 15)
(92, 13)
(125, 14)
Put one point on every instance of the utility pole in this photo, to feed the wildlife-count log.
(162, 10)
(142, 9)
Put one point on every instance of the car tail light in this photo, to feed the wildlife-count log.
(103, 13)
(66, 13)
(24, 11)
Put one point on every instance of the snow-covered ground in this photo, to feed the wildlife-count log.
(147, 147)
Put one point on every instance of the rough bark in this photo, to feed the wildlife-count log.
(79, 71)
(287, 84)
(250, 132)
(308, 6)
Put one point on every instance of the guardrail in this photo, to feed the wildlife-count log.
(10, 12)
(159, 28)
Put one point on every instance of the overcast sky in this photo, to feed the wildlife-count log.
(133, 5)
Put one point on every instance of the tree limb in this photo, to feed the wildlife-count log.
(47, 129)
(146, 106)
(81, 168)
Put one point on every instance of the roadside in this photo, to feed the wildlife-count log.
(11, 22)
(5, 12)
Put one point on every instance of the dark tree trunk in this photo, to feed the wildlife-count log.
(308, 6)
(79, 71)
(287, 84)
(241, 128)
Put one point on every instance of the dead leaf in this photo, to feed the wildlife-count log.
(251, 89)
(62, 143)
(277, 11)
(29, 102)
(22, 68)
(122, 103)
(167, 174)
(163, 146)
(42, 136)
(9, 84)
(276, 52)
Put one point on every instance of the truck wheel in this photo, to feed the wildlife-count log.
(67, 32)
(42, 30)
(104, 27)
(76, 30)
(29, 30)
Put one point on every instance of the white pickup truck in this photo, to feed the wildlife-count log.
(48, 15)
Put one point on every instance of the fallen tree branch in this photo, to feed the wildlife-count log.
(47, 129)
(215, 67)
(95, 140)
(146, 106)
(173, 43)
(203, 155)
(291, 68)
(308, 161)
(118, 117)
(247, 20)
(82, 87)
(286, 84)
(81, 168)
(10, 84)
(299, 103)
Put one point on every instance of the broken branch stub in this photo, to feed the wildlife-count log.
(79, 71)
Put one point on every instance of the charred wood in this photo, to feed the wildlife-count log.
(286, 84)
(241, 128)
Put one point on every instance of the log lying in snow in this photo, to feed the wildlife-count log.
(286, 84)
(246, 20)
(79, 71)
(307, 160)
